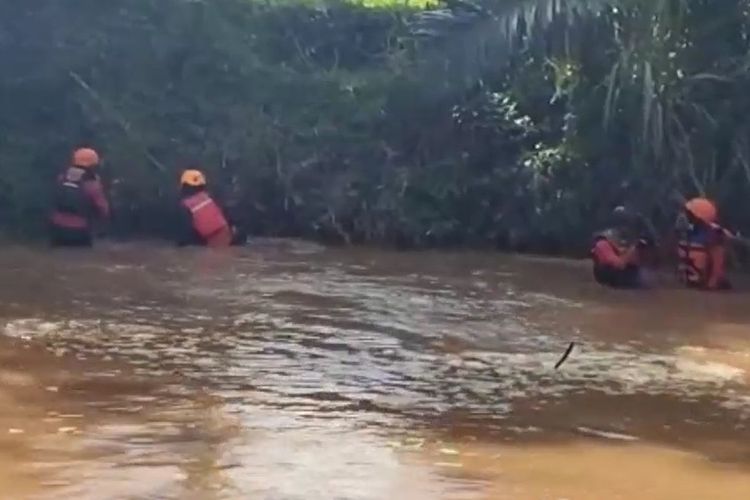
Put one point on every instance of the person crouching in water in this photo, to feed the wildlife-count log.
(618, 252)
(202, 222)
(79, 200)
(702, 246)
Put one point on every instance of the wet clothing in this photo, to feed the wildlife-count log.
(702, 256)
(79, 200)
(617, 262)
(202, 221)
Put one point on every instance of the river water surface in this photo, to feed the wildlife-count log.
(288, 371)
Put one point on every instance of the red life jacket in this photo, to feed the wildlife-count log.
(618, 246)
(208, 220)
(604, 237)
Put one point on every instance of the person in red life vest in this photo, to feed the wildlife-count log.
(79, 201)
(702, 246)
(617, 252)
(202, 221)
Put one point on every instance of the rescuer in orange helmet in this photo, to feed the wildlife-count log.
(702, 246)
(202, 221)
(79, 200)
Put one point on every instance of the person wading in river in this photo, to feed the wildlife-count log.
(201, 220)
(702, 246)
(618, 252)
(79, 200)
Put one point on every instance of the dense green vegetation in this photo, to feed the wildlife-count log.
(515, 123)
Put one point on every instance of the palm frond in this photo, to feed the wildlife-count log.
(473, 38)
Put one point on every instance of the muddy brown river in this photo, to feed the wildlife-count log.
(292, 372)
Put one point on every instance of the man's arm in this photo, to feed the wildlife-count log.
(95, 192)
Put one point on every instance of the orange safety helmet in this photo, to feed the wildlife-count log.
(703, 209)
(85, 158)
(193, 178)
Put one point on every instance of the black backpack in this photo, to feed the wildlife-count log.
(70, 197)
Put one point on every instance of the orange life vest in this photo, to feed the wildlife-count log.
(694, 263)
(208, 220)
(698, 263)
